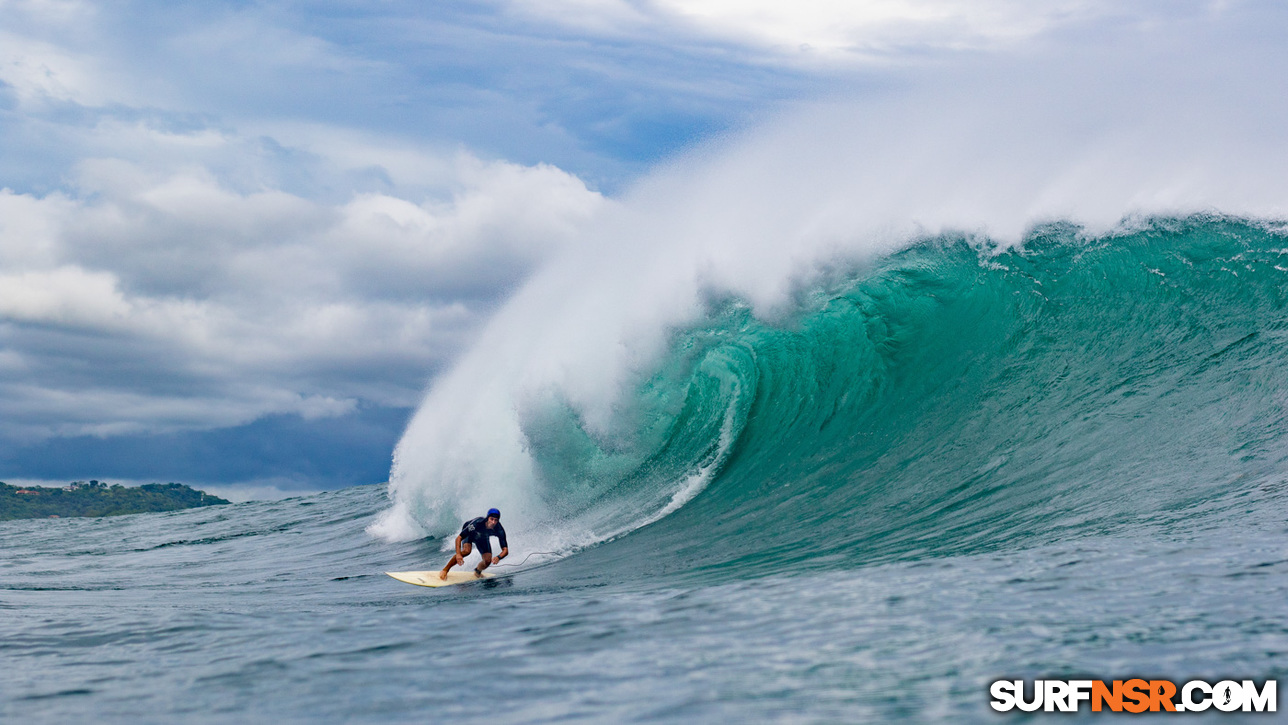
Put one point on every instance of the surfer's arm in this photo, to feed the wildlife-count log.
(505, 551)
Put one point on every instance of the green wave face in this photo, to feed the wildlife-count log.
(955, 398)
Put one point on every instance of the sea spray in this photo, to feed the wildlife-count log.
(770, 219)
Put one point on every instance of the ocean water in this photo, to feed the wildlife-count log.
(935, 467)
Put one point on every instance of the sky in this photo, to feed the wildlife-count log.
(239, 240)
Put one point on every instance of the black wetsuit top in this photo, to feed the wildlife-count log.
(476, 532)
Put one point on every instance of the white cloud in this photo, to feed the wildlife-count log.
(599, 16)
(405, 164)
(248, 39)
(50, 11)
(166, 300)
(36, 70)
(29, 229)
(66, 296)
(830, 26)
(808, 30)
(40, 71)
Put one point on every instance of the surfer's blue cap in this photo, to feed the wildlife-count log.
(494, 512)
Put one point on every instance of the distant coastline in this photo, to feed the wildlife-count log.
(92, 498)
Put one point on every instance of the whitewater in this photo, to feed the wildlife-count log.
(839, 419)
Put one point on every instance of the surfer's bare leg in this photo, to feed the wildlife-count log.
(450, 563)
(462, 551)
(487, 561)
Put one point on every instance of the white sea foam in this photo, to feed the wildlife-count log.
(759, 214)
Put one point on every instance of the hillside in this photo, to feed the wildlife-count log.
(98, 499)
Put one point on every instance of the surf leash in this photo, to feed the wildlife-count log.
(525, 559)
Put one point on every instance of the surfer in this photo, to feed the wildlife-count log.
(478, 532)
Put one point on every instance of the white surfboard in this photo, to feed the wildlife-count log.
(430, 578)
